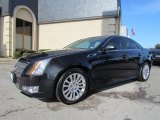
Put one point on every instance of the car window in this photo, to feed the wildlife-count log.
(128, 44)
(116, 42)
(88, 43)
(84, 44)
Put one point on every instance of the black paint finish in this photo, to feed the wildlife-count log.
(155, 55)
(102, 66)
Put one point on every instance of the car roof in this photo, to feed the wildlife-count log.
(107, 36)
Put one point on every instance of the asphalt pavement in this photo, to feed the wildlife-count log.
(131, 100)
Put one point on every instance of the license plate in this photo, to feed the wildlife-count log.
(158, 56)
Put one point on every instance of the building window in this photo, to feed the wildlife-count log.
(23, 34)
(19, 26)
(28, 28)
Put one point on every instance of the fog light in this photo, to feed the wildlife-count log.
(31, 89)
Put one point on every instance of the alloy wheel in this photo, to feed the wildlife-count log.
(146, 71)
(74, 86)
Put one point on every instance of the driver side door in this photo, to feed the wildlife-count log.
(111, 62)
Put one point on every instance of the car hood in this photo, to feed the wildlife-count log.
(64, 52)
(55, 53)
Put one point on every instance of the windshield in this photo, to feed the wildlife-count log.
(88, 43)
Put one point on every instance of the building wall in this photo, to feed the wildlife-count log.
(65, 21)
(6, 32)
(50, 11)
(8, 6)
(59, 22)
(5, 7)
(24, 13)
(124, 31)
(32, 4)
(0, 36)
(58, 35)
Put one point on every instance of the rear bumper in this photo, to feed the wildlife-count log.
(45, 86)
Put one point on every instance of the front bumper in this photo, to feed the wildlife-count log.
(39, 87)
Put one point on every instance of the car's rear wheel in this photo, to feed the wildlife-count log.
(72, 86)
(144, 72)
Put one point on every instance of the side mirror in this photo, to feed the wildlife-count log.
(110, 47)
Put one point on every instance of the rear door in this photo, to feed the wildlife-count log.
(132, 57)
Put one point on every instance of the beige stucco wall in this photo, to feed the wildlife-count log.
(124, 31)
(8, 31)
(58, 35)
(6, 36)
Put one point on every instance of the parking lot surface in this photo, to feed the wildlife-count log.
(131, 100)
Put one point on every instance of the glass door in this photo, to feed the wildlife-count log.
(23, 34)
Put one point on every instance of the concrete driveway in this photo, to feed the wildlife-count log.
(126, 101)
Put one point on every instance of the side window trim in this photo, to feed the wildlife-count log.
(130, 40)
(105, 44)
(136, 44)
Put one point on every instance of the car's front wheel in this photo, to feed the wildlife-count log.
(144, 72)
(72, 86)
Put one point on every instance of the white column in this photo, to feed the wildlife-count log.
(6, 44)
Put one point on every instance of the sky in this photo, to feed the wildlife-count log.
(143, 16)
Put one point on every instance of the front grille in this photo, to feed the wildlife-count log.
(19, 68)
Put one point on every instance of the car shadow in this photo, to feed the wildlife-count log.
(110, 86)
(54, 99)
(94, 91)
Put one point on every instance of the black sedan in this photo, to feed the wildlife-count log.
(155, 55)
(83, 65)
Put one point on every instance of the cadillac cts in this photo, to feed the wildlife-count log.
(83, 65)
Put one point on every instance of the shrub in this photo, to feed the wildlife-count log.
(17, 54)
(42, 50)
(22, 52)
(26, 54)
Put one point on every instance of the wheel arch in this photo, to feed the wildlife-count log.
(148, 61)
(140, 76)
(83, 68)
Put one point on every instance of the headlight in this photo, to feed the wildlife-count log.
(39, 67)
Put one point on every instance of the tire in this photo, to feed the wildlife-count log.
(144, 72)
(72, 87)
